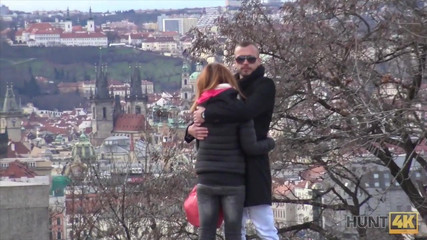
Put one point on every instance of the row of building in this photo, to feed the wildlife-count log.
(61, 34)
(165, 37)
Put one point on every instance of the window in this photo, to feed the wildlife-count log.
(376, 184)
(58, 221)
(58, 235)
(104, 112)
(87, 150)
(79, 151)
(376, 175)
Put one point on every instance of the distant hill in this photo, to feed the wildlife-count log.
(72, 64)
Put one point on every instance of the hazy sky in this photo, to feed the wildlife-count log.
(104, 5)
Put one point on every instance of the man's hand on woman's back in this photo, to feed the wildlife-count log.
(197, 131)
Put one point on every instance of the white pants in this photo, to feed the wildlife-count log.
(263, 220)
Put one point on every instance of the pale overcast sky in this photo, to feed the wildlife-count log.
(104, 5)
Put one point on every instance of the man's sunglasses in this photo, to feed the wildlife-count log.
(241, 59)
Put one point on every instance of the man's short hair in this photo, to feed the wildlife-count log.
(245, 44)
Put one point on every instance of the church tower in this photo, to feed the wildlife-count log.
(137, 99)
(90, 25)
(11, 116)
(102, 106)
(68, 24)
(187, 89)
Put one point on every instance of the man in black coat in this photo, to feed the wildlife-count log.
(259, 103)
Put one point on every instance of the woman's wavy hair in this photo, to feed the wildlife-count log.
(210, 77)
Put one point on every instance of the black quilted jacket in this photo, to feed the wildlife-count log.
(227, 143)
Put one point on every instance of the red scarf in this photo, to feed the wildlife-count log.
(208, 94)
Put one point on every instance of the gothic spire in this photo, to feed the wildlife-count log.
(101, 84)
(90, 13)
(135, 83)
(9, 104)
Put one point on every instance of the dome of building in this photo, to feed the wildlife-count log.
(83, 150)
(58, 139)
(193, 77)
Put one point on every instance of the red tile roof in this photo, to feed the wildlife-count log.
(38, 26)
(130, 122)
(136, 36)
(159, 39)
(83, 35)
(55, 130)
(17, 169)
(115, 82)
(19, 32)
(16, 149)
(77, 28)
(48, 31)
(169, 34)
(283, 189)
(314, 174)
(88, 130)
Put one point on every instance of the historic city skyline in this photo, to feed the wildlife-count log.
(106, 5)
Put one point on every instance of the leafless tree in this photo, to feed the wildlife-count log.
(126, 206)
(349, 78)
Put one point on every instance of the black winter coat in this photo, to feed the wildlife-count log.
(224, 149)
(260, 95)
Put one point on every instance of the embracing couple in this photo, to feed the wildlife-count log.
(232, 115)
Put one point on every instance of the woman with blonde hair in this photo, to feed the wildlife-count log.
(220, 165)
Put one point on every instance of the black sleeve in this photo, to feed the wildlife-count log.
(260, 101)
(188, 138)
(249, 143)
